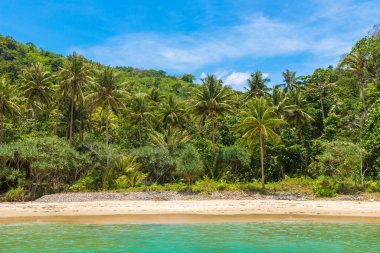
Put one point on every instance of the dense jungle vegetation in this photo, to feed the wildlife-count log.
(70, 124)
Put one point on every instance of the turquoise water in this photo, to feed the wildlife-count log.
(233, 237)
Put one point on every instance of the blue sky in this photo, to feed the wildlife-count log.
(227, 38)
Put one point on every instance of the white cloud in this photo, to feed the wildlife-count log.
(237, 80)
(258, 38)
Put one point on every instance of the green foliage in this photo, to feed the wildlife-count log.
(156, 163)
(332, 127)
(16, 194)
(189, 164)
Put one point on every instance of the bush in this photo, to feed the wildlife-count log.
(234, 163)
(372, 186)
(189, 165)
(16, 194)
(324, 187)
(83, 184)
(156, 163)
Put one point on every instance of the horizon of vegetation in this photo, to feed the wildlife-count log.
(70, 124)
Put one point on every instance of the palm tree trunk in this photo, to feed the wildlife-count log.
(362, 87)
(107, 138)
(139, 132)
(1, 130)
(322, 106)
(213, 139)
(56, 119)
(71, 119)
(262, 161)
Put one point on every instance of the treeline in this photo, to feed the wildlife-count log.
(69, 124)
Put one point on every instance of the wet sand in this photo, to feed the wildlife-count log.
(190, 211)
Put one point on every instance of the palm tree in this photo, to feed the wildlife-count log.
(321, 81)
(7, 106)
(291, 81)
(107, 94)
(140, 112)
(74, 76)
(357, 64)
(258, 124)
(171, 139)
(210, 101)
(257, 85)
(298, 113)
(36, 86)
(172, 112)
(280, 102)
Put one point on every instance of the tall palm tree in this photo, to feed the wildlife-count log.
(107, 94)
(210, 101)
(357, 63)
(291, 81)
(321, 81)
(7, 105)
(140, 112)
(257, 85)
(258, 124)
(172, 112)
(74, 76)
(36, 86)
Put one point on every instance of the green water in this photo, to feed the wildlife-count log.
(233, 237)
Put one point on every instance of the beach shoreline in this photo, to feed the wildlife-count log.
(189, 211)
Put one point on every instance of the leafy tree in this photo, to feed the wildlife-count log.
(189, 165)
(258, 124)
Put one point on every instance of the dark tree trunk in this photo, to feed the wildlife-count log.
(262, 161)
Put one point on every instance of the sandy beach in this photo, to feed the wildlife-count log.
(189, 211)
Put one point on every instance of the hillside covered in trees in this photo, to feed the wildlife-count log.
(70, 124)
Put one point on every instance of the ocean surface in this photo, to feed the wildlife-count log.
(229, 237)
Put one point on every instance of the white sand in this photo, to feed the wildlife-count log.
(142, 211)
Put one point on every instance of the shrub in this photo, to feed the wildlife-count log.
(189, 165)
(324, 187)
(16, 194)
(156, 163)
(234, 163)
(372, 186)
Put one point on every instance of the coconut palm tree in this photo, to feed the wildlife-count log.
(357, 63)
(320, 82)
(7, 105)
(258, 124)
(107, 94)
(291, 81)
(36, 86)
(172, 112)
(171, 139)
(211, 100)
(74, 76)
(140, 112)
(257, 85)
(281, 103)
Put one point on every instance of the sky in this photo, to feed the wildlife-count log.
(228, 38)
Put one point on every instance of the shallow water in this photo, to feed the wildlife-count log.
(233, 237)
